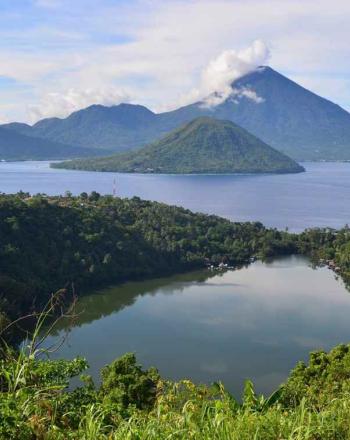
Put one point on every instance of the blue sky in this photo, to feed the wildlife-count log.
(57, 56)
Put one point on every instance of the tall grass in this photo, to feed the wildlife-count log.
(36, 404)
(219, 423)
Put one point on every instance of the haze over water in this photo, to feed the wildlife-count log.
(318, 197)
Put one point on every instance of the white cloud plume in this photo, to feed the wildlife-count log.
(62, 104)
(235, 95)
(251, 94)
(217, 77)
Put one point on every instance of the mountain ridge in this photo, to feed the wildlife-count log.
(17, 146)
(288, 117)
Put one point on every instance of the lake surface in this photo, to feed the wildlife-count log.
(319, 197)
(256, 322)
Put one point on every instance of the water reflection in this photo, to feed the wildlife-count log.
(114, 299)
(256, 322)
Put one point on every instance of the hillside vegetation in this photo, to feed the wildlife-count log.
(48, 243)
(204, 145)
(132, 403)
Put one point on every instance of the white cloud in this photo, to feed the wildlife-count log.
(62, 104)
(250, 94)
(217, 77)
(170, 43)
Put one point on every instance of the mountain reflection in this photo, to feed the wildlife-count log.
(111, 300)
(255, 323)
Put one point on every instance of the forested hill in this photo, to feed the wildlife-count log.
(204, 145)
(47, 243)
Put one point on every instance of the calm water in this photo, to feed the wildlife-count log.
(319, 197)
(256, 322)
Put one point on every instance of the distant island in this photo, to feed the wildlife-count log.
(202, 146)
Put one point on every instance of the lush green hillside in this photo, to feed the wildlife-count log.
(47, 243)
(51, 242)
(17, 146)
(204, 145)
(288, 117)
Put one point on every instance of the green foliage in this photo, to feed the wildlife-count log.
(125, 405)
(326, 245)
(326, 377)
(47, 243)
(125, 384)
(37, 400)
(204, 145)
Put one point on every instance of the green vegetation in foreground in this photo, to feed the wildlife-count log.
(132, 403)
(205, 145)
(51, 241)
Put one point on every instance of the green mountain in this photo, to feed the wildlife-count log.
(286, 116)
(17, 146)
(117, 128)
(205, 145)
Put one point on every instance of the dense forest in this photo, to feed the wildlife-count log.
(77, 243)
(47, 243)
(74, 243)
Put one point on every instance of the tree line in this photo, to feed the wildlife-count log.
(47, 243)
